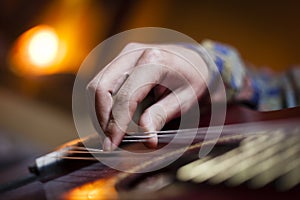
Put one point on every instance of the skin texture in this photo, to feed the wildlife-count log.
(128, 79)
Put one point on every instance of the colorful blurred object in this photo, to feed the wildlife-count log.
(38, 51)
(99, 189)
(43, 47)
(59, 44)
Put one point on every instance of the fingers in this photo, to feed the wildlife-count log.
(124, 83)
(131, 93)
(108, 82)
(169, 107)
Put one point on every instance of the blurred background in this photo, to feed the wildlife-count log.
(42, 44)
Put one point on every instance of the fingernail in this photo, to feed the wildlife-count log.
(107, 144)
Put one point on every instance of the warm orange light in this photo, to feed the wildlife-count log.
(73, 29)
(43, 47)
(38, 51)
(97, 190)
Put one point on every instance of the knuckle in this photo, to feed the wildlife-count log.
(133, 45)
(95, 87)
(153, 56)
(91, 86)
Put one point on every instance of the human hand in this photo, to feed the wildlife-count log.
(177, 75)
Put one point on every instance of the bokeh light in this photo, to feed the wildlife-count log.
(43, 47)
(100, 189)
(38, 51)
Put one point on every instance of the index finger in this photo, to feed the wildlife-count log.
(108, 82)
(132, 92)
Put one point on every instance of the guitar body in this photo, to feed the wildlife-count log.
(93, 180)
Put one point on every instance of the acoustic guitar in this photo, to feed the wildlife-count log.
(256, 156)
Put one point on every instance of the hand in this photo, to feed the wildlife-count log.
(177, 76)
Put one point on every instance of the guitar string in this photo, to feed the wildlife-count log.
(240, 135)
(101, 153)
(107, 154)
(162, 135)
(167, 136)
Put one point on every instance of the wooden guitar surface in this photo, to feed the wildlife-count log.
(97, 181)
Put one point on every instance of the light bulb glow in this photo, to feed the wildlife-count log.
(43, 48)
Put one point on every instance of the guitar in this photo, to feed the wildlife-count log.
(223, 173)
